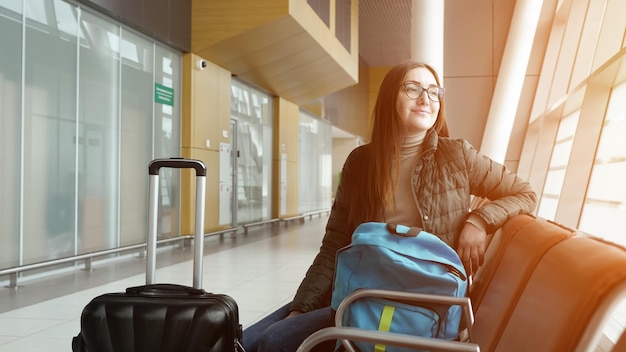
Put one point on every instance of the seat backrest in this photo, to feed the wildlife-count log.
(515, 252)
(568, 298)
(493, 256)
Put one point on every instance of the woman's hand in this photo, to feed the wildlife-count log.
(471, 247)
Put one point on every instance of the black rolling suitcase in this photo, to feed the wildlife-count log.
(163, 317)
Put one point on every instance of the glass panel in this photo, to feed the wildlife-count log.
(604, 211)
(547, 208)
(49, 137)
(266, 142)
(136, 136)
(322, 9)
(66, 19)
(37, 12)
(558, 163)
(567, 126)
(11, 8)
(314, 175)
(167, 140)
(253, 111)
(561, 153)
(554, 182)
(98, 135)
(267, 169)
(343, 20)
(250, 170)
(10, 133)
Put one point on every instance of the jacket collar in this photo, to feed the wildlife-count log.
(430, 141)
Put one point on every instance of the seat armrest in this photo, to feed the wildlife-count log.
(464, 302)
(388, 338)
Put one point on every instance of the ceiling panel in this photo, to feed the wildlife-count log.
(384, 31)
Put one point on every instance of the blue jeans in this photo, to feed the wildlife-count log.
(274, 333)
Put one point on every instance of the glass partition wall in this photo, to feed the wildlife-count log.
(252, 111)
(315, 146)
(80, 124)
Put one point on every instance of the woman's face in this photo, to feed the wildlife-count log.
(419, 114)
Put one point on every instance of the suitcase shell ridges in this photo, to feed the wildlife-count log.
(119, 322)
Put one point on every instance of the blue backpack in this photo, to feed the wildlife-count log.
(400, 258)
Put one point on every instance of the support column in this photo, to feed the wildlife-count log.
(510, 79)
(427, 33)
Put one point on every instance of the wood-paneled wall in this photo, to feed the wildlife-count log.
(286, 124)
(205, 117)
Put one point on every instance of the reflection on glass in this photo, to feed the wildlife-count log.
(10, 137)
(10, 8)
(49, 139)
(252, 110)
(136, 136)
(98, 135)
(167, 141)
(36, 10)
(88, 130)
(315, 172)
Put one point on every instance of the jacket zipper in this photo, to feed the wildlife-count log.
(414, 175)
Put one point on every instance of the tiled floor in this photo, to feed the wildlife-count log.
(260, 270)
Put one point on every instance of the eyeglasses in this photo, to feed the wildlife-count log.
(414, 91)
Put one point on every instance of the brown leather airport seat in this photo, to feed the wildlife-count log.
(567, 299)
(493, 256)
(509, 262)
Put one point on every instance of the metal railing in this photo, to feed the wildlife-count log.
(88, 257)
(301, 217)
(318, 212)
(258, 223)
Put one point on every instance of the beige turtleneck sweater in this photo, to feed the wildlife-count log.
(406, 208)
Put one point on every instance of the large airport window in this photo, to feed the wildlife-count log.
(252, 111)
(558, 164)
(604, 210)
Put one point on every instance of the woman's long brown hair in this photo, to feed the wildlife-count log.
(388, 135)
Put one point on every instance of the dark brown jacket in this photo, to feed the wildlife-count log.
(447, 173)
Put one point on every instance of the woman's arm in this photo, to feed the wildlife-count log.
(508, 194)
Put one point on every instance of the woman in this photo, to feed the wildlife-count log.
(410, 173)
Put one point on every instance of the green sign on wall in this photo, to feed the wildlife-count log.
(163, 94)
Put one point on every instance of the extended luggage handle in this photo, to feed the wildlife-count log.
(153, 170)
(464, 302)
(177, 163)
